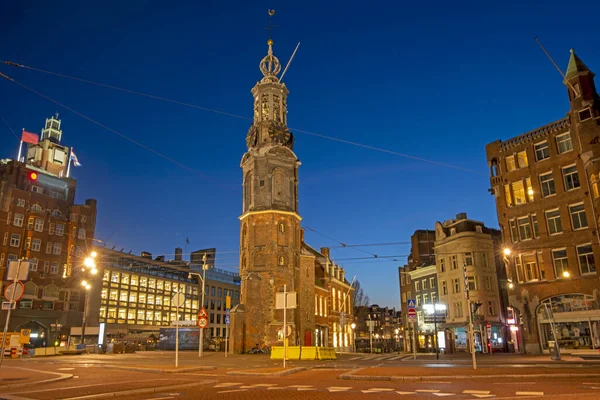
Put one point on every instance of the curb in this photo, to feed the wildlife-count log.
(61, 377)
(141, 391)
(280, 373)
(351, 377)
(157, 370)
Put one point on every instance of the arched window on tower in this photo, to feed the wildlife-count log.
(281, 261)
(280, 189)
(244, 236)
(494, 167)
(248, 190)
(244, 266)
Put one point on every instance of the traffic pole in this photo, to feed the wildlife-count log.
(12, 300)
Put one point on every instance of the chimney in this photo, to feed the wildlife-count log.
(461, 216)
(146, 254)
(178, 254)
(325, 251)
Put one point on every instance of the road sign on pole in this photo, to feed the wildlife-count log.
(412, 313)
(411, 303)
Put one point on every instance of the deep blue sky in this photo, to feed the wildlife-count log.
(437, 80)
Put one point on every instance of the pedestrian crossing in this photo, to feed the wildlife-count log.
(377, 357)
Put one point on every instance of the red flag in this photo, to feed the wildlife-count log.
(29, 137)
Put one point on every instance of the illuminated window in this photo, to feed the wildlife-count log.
(508, 196)
(522, 159)
(510, 163)
(529, 189)
(518, 192)
(561, 263)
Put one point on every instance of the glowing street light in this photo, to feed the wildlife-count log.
(506, 251)
(566, 274)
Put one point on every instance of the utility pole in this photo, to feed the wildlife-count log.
(12, 301)
(470, 317)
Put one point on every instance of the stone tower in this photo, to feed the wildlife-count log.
(270, 237)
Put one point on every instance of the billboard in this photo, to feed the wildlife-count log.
(188, 338)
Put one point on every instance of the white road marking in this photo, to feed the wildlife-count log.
(529, 393)
(258, 385)
(401, 393)
(231, 391)
(160, 398)
(228, 384)
(377, 390)
(444, 394)
(305, 389)
(435, 382)
(427, 390)
(339, 388)
(476, 392)
(355, 358)
(75, 377)
(301, 386)
(65, 369)
(516, 383)
(395, 358)
(483, 396)
(276, 388)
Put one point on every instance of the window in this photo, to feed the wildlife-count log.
(530, 267)
(458, 310)
(8, 218)
(487, 283)
(54, 267)
(529, 189)
(571, 177)
(27, 243)
(282, 227)
(39, 225)
(30, 221)
(417, 286)
(18, 221)
(15, 240)
(46, 267)
(524, 228)
(554, 224)
(36, 208)
(522, 159)
(541, 151)
(563, 143)
(508, 196)
(519, 269)
(433, 297)
(578, 218)
(281, 260)
(491, 308)
(5, 238)
(595, 185)
(513, 230)
(444, 288)
(81, 234)
(418, 300)
(561, 263)
(586, 259)
(424, 284)
(485, 260)
(453, 262)
(432, 283)
(518, 192)
(57, 248)
(456, 283)
(469, 258)
(83, 218)
(547, 184)
(37, 189)
(442, 265)
(51, 229)
(534, 223)
(60, 229)
(73, 217)
(471, 283)
(540, 260)
(11, 257)
(425, 298)
(20, 202)
(510, 163)
(33, 265)
(56, 212)
(584, 115)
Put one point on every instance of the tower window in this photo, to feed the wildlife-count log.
(585, 114)
(262, 182)
(281, 260)
(282, 227)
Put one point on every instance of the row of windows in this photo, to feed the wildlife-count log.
(526, 227)
(472, 284)
(51, 193)
(320, 305)
(423, 284)
(541, 150)
(33, 244)
(530, 267)
(146, 282)
(458, 310)
(468, 259)
(521, 192)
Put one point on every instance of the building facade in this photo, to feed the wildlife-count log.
(467, 245)
(273, 255)
(42, 223)
(546, 187)
(387, 334)
(424, 284)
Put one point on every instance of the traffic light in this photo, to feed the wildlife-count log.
(33, 176)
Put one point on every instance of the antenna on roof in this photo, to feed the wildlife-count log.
(114, 247)
(122, 249)
(557, 67)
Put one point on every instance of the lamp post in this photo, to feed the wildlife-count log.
(353, 326)
(89, 264)
(203, 279)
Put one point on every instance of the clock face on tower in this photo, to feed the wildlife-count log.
(279, 133)
(252, 137)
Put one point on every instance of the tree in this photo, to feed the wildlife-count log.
(359, 297)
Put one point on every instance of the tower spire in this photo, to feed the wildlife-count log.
(576, 66)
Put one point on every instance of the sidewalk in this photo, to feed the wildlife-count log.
(493, 358)
(427, 374)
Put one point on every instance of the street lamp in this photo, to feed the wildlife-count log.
(203, 279)
(353, 326)
(566, 274)
(90, 263)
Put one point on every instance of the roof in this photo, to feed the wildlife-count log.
(576, 66)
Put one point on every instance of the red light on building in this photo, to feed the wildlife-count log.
(33, 176)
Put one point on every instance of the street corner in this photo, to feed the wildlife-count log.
(12, 377)
(277, 371)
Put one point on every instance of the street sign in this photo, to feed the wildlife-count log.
(226, 319)
(178, 299)
(411, 303)
(12, 270)
(280, 298)
(6, 305)
(203, 322)
(412, 313)
(202, 313)
(14, 291)
(183, 323)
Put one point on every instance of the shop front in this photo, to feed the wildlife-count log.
(573, 320)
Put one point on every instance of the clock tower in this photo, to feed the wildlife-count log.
(270, 238)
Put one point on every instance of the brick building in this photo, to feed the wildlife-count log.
(545, 183)
(42, 223)
(272, 249)
(387, 329)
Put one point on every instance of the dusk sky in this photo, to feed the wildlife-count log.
(436, 80)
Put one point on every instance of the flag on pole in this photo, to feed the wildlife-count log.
(29, 137)
(74, 159)
(187, 240)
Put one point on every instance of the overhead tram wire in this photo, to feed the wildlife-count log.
(379, 149)
(341, 243)
(9, 128)
(156, 152)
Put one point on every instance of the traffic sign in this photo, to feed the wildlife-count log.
(14, 291)
(412, 313)
(411, 303)
(226, 319)
(6, 305)
(178, 299)
(203, 322)
(202, 313)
